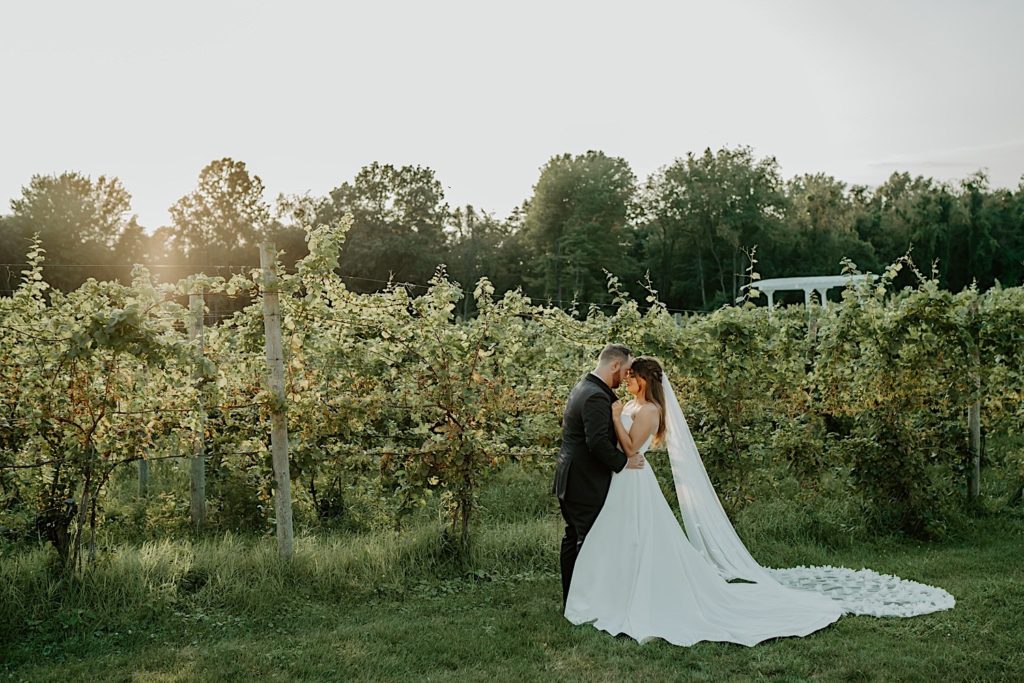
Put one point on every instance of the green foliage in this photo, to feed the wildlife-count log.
(73, 376)
(398, 410)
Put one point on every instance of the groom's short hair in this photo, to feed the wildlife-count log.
(613, 352)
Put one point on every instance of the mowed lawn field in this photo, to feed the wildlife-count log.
(225, 609)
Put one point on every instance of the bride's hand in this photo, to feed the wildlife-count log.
(616, 410)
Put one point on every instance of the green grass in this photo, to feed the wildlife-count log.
(386, 607)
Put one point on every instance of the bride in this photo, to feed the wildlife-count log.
(637, 573)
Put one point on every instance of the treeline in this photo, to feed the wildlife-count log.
(689, 226)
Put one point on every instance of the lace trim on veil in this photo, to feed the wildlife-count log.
(708, 528)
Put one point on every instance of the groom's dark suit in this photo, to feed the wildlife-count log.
(585, 464)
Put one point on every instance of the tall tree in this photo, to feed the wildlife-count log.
(885, 216)
(576, 225)
(398, 224)
(952, 227)
(287, 229)
(713, 208)
(972, 247)
(11, 251)
(79, 221)
(482, 245)
(819, 229)
(1008, 233)
(671, 238)
(224, 219)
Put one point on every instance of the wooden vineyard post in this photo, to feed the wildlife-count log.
(974, 420)
(143, 478)
(974, 475)
(812, 316)
(278, 422)
(197, 462)
(143, 463)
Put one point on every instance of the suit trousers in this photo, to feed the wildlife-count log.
(579, 517)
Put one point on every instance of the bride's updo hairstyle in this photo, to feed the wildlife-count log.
(649, 369)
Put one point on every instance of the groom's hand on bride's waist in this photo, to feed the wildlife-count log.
(635, 462)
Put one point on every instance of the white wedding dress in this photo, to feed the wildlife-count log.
(637, 573)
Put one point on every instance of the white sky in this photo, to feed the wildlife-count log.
(306, 93)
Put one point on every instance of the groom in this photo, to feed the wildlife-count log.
(589, 454)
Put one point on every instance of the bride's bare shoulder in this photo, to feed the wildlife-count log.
(649, 408)
(648, 413)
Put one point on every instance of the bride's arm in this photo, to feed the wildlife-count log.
(620, 430)
(644, 424)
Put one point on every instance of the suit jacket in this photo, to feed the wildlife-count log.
(589, 455)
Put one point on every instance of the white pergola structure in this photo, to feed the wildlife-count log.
(815, 283)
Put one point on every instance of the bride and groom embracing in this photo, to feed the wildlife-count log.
(628, 567)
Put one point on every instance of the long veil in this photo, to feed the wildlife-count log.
(709, 530)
